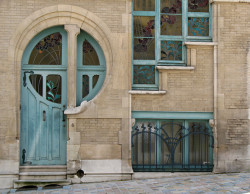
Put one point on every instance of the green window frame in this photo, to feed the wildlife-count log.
(93, 67)
(155, 150)
(158, 39)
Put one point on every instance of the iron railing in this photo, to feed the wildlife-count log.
(173, 146)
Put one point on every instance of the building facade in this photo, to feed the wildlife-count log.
(106, 89)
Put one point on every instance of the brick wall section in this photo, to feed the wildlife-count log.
(186, 90)
(98, 131)
(233, 123)
(236, 132)
(233, 38)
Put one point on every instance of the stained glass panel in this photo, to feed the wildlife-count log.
(171, 50)
(171, 25)
(144, 74)
(54, 88)
(95, 80)
(85, 85)
(144, 26)
(48, 51)
(144, 5)
(144, 48)
(198, 5)
(89, 55)
(198, 26)
(36, 81)
(171, 6)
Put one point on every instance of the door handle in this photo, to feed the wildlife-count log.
(24, 77)
(44, 115)
(64, 119)
(63, 116)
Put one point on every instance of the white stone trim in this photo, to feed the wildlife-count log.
(229, 1)
(160, 68)
(73, 30)
(76, 110)
(147, 92)
(200, 43)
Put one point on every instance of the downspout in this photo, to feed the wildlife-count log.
(215, 109)
(215, 105)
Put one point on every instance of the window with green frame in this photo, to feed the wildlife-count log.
(91, 68)
(160, 29)
(172, 141)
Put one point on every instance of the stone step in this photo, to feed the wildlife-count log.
(42, 175)
(40, 182)
(61, 168)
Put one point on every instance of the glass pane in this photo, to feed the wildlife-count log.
(199, 144)
(198, 26)
(85, 85)
(173, 131)
(54, 88)
(171, 6)
(198, 5)
(94, 81)
(171, 50)
(47, 51)
(144, 26)
(36, 81)
(144, 74)
(144, 5)
(89, 55)
(171, 25)
(144, 48)
(143, 143)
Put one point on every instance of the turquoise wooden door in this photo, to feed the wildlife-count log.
(43, 99)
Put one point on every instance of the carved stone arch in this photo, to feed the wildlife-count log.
(55, 16)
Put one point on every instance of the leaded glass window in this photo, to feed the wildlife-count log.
(160, 29)
(47, 51)
(91, 67)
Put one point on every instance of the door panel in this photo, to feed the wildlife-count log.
(42, 122)
(44, 131)
(56, 112)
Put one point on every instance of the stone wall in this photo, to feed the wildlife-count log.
(187, 90)
(233, 86)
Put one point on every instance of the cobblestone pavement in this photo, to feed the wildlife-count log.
(214, 183)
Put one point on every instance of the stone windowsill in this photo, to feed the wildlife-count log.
(162, 92)
(200, 43)
(160, 68)
(230, 1)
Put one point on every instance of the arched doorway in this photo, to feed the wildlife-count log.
(43, 134)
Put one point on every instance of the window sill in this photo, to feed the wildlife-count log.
(141, 92)
(200, 43)
(161, 68)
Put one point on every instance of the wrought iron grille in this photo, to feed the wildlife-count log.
(172, 146)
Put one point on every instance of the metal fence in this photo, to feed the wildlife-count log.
(172, 146)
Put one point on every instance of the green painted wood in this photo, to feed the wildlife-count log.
(171, 115)
(43, 131)
(89, 70)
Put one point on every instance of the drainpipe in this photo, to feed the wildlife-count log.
(215, 39)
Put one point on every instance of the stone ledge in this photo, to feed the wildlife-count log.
(135, 92)
(200, 43)
(230, 1)
(42, 173)
(175, 68)
(43, 181)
